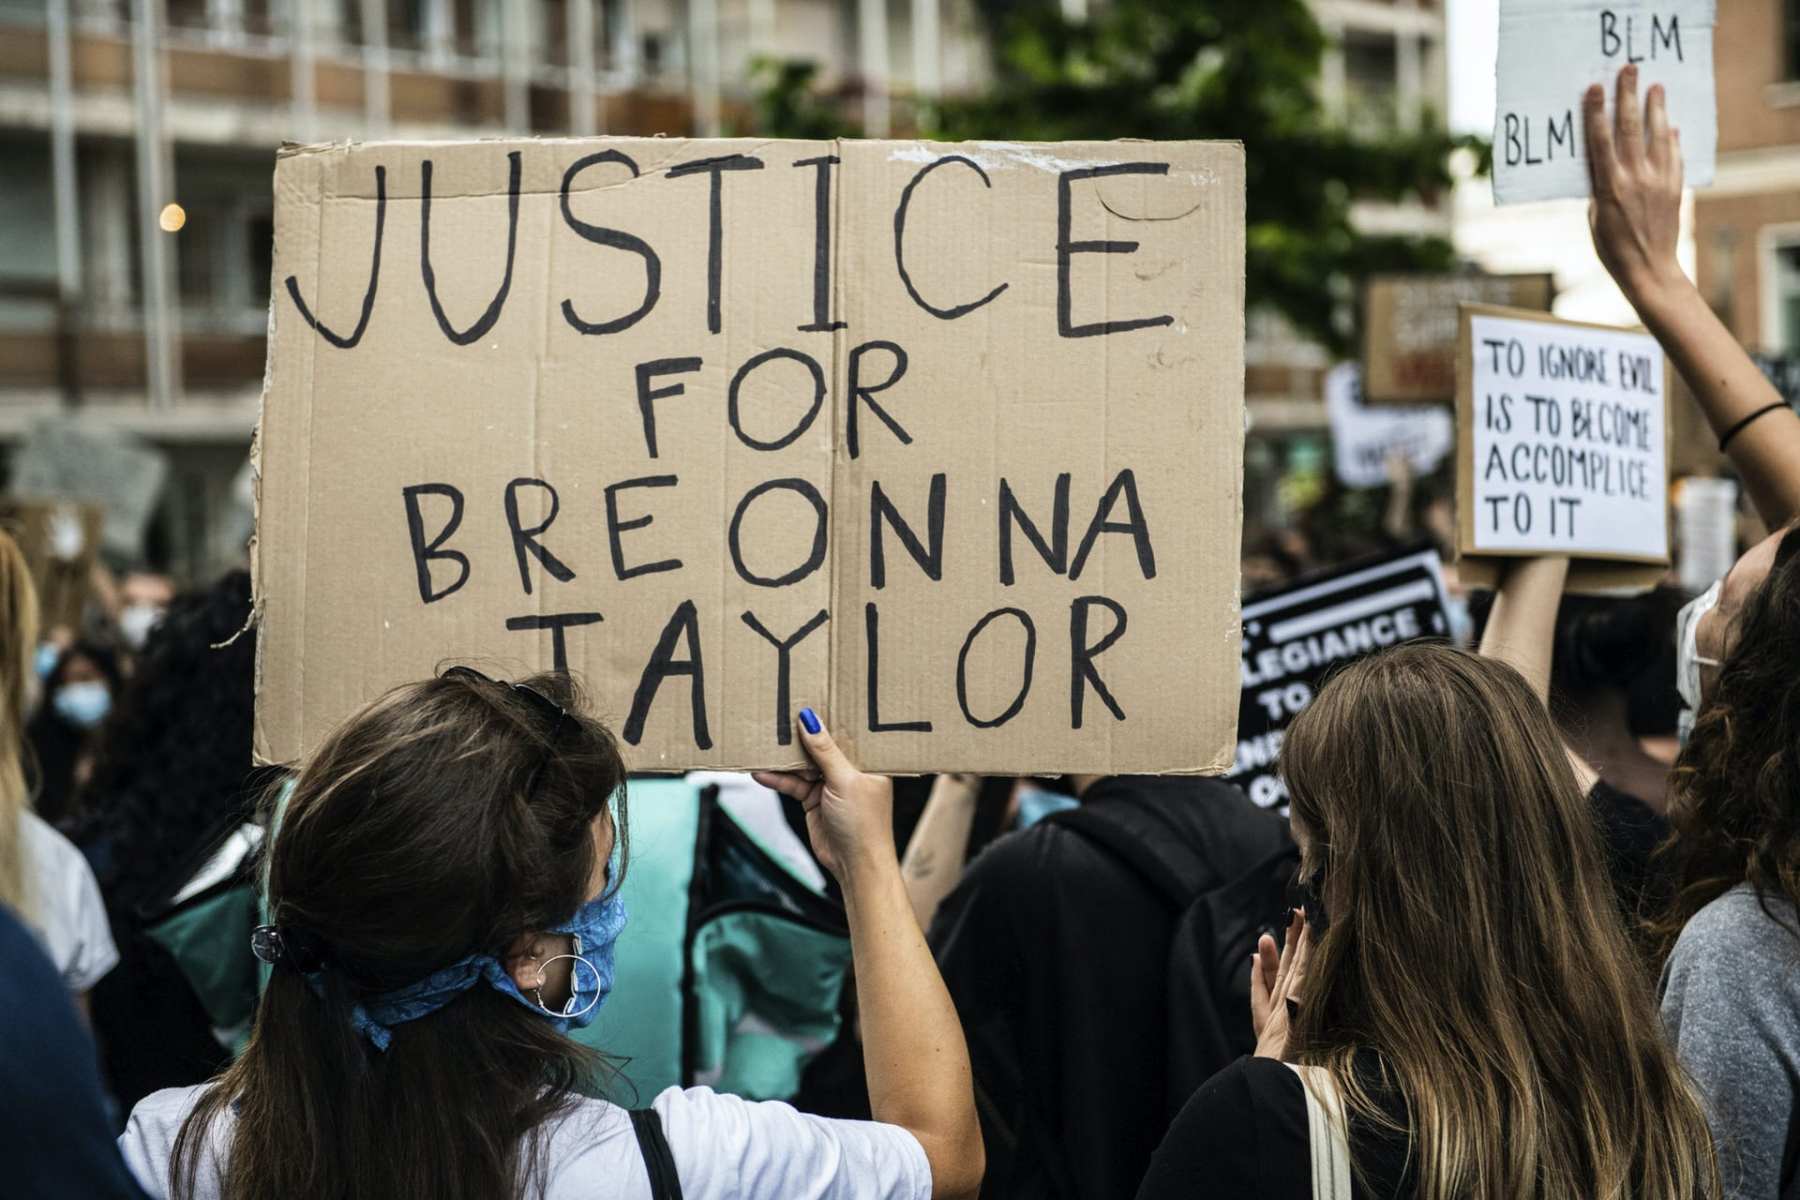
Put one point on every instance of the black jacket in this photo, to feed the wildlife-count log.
(1056, 953)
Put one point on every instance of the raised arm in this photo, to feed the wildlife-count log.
(1521, 630)
(913, 1050)
(934, 857)
(1635, 159)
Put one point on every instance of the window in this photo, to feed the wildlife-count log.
(1371, 79)
(1787, 295)
(1790, 39)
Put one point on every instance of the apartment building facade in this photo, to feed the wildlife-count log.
(137, 137)
(1747, 224)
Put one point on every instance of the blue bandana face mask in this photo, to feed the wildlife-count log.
(593, 934)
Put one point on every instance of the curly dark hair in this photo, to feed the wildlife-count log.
(174, 757)
(1737, 781)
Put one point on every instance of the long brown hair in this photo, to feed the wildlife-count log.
(440, 821)
(1473, 943)
(1737, 781)
(18, 643)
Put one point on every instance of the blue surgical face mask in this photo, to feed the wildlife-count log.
(83, 704)
(45, 662)
(593, 934)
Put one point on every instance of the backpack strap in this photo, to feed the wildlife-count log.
(659, 1161)
(1327, 1135)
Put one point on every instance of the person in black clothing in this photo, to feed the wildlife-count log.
(1600, 652)
(1056, 951)
(172, 769)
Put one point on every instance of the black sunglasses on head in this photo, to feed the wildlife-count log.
(559, 716)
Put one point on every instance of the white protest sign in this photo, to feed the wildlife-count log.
(1551, 50)
(1563, 440)
(1362, 438)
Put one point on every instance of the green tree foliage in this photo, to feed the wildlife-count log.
(1181, 69)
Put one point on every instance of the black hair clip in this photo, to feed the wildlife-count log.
(287, 946)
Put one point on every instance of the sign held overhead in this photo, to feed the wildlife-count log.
(1410, 328)
(1552, 50)
(944, 439)
(1562, 445)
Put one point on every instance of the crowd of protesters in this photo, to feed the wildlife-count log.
(1499, 945)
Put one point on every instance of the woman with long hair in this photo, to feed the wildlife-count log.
(43, 877)
(443, 890)
(1731, 982)
(1458, 1011)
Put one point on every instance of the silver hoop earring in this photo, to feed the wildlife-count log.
(538, 991)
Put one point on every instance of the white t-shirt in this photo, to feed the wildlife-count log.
(66, 911)
(725, 1148)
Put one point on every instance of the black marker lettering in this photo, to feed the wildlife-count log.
(1125, 484)
(930, 561)
(368, 304)
(715, 244)
(1082, 655)
(424, 552)
(737, 382)
(962, 668)
(648, 371)
(821, 322)
(684, 624)
(814, 557)
(556, 623)
(615, 528)
(955, 310)
(486, 320)
(872, 634)
(524, 540)
(784, 714)
(602, 236)
(1056, 553)
(861, 393)
(1066, 249)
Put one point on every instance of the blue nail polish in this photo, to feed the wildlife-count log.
(809, 720)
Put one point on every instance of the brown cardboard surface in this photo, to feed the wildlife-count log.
(989, 267)
(1410, 328)
(1592, 574)
(61, 542)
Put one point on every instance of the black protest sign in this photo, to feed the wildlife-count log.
(1295, 637)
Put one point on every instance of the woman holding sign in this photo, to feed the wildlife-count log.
(1731, 985)
(443, 891)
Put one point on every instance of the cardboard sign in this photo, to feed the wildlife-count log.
(63, 459)
(1561, 444)
(944, 440)
(1295, 637)
(1410, 326)
(1552, 50)
(1363, 438)
(61, 542)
